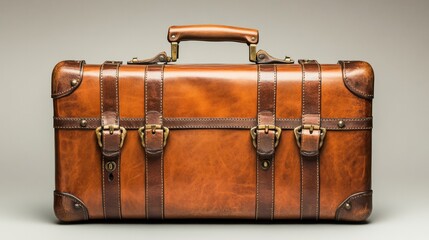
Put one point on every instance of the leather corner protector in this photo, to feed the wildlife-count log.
(356, 208)
(66, 77)
(358, 76)
(69, 208)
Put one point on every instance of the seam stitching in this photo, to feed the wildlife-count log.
(119, 156)
(146, 159)
(273, 147)
(257, 155)
(162, 142)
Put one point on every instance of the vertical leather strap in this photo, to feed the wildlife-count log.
(111, 139)
(265, 145)
(154, 142)
(310, 139)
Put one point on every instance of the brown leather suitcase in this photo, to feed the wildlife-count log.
(271, 140)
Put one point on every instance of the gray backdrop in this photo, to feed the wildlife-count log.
(392, 35)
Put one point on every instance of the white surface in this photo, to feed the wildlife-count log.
(392, 35)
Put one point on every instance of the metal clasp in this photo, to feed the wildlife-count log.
(298, 130)
(111, 128)
(153, 128)
(266, 128)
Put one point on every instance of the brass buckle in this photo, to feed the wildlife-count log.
(153, 127)
(111, 129)
(266, 128)
(298, 130)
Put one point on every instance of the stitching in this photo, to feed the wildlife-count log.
(101, 92)
(130, 126)
(119, 156)
(199, 119)
(288, 119)
(302, 185)
(272, 188)
(133, 119)
(145, 92)
(318, 188)
(273, 147)
(146, 159)
(119, 185)
(75, 119)
(80, 77)
(161, 93)
(348, 83)
(102, 123)
(349, 128)
(146, 190)
(274, 96)
(319, 90)
(162, 184)
(259, 98)
(104, 192)
(162, 142)
(257, 155)
(302, 120)
(318, 120)
(202, 119)
(117, 94)
(347, 119)
(303, 92)
(209, 127)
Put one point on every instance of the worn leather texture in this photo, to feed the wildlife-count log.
(209, 166)
(212, 33)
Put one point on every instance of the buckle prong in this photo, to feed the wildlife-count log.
(111, 128)
(266, 128)
(153, 128)
(298, 130)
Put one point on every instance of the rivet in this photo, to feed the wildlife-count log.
(73, 82)
(76, 205)
(261, 56)
(110, 166)
(265, 164)
(348, 206)
(83, 123)
(173, 36)
(341, 124)
(253, 38)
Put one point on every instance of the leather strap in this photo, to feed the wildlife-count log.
(310, 139)
(215, 123)
(109, 81)
(265, 145)
(154, 142)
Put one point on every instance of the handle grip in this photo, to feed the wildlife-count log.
(212, 33)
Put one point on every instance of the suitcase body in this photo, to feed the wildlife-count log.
(265, 141)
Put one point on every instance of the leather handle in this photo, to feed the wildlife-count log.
(212, 33)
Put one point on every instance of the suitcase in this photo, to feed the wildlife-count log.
(271, 140)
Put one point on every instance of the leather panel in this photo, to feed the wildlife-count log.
(200, 184)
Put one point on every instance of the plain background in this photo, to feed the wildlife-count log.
(392, 35)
